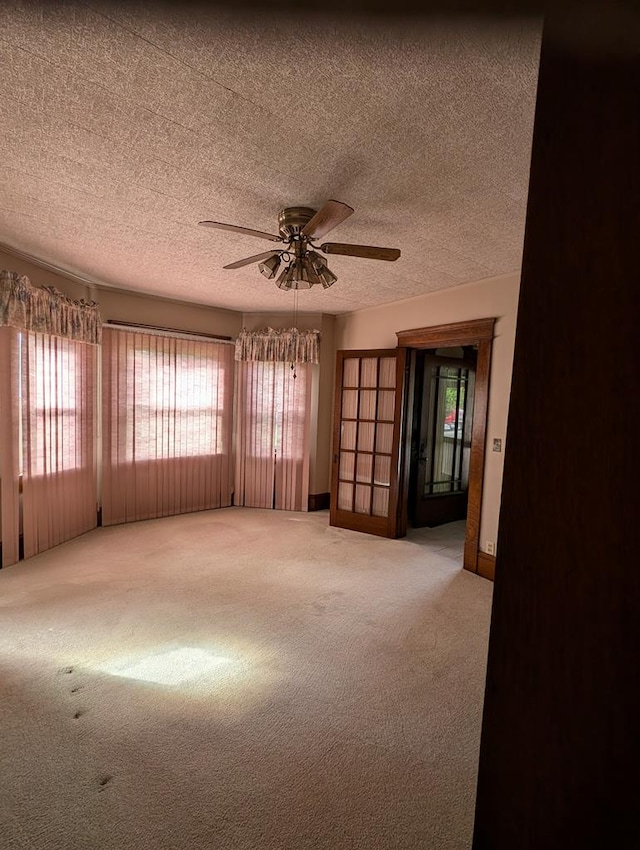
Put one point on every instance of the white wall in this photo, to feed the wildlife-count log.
(495, 297)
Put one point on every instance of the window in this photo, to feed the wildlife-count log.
(51, 382)
(167, 417)
(56, 429)
(279, 410)
(178, 403)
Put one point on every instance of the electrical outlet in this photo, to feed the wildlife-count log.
(497, 445)
(490, 546)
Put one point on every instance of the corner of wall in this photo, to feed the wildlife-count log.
(322, 481)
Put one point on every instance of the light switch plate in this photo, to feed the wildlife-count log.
(497, 445)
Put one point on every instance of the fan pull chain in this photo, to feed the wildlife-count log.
(295, 325)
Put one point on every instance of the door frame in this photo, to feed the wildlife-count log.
(474, 332)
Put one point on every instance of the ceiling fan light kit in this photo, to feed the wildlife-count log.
(286, 281)
(298, 227)
(269, 267)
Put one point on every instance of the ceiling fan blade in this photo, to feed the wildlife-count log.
(248, 260)
(330, 216)
(369, 252)
(218, 225)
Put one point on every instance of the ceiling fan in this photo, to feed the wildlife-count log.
(299, 227)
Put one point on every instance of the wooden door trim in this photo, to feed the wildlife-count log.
(486, 565)
(399, 428)
(456, 333)
(480, 332)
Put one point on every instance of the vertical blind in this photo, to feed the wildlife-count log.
(167, 405)
(48, 351)
(9, 445)
(167, 432)
(272, 469)
(58, 378)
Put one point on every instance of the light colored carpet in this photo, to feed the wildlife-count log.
(319, 688)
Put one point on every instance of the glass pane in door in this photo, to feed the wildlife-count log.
(367, 412)
(445, 447)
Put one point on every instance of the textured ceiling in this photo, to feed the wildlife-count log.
(124, 126)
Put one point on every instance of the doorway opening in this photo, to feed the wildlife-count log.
(437, 380)
(440, 452)
(372, 473)
(441, 430)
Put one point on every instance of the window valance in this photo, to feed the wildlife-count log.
(46, 310)
(279, 346)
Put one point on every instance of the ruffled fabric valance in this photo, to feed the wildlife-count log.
(279, 346)
(46, 310)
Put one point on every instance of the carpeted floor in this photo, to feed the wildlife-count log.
(241, 679)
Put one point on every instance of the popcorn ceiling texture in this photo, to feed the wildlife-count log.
(124, 126)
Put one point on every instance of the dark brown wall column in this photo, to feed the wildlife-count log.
(560, 758)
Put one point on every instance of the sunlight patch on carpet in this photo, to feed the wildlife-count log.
(175, 667)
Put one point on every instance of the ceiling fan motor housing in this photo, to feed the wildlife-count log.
(291, 221)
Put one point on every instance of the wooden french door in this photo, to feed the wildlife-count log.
(365, 486)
